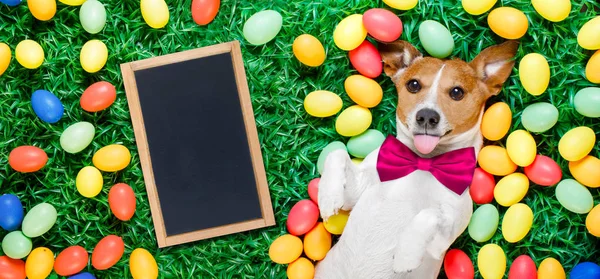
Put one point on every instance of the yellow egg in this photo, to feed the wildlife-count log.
(491, 261)
(534, 73)
(477, 7)
(363, 90)
(317, 242)
(42, 9)
(589, 34)
(336, 223)
(39, 263)
(350, 32)
(586, 171)
(576, 143)
(496, 121)
(72, 2)
(29, 54)
(592, 69)
(155, 13)
(356, 161)
(552, 10)
(93, 56)
(112, 158)
(302, 268)
(511, 189)
(322, 103)
(521, 148)
(142, 264)
(495, 160)
(5, 57)
(592, 221)
(508, 22)
(309, 50)
(401, 4)
(353, 121)
(285, 249)
(517, 222)
(550, 268)
(89, 182)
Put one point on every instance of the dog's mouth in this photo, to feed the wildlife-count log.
(426, 143)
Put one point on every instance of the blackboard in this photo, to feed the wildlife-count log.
(198, 145)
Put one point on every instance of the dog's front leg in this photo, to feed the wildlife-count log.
(453, 224)
(412, 242)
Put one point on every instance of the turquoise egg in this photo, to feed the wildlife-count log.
(92, 16)
(77, 136)
(334, 145)
(436, 39)
(361, 145)
(539, 117)
(39, 220)
(16, 245)
(262, 27)
(587, 102)
(484, 223)
(574, 196)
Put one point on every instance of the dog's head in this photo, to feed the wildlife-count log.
(440, 102)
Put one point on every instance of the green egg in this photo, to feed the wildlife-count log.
(574, 196)
(587, 102)
(334, 145)
(436, 39)
(484, 223)
(539, 117)
(16, 245)
(92, 16)
(39, 220)
(262, 27)
(361, 145)
(77, 136)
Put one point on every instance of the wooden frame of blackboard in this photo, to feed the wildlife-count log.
(128, 70)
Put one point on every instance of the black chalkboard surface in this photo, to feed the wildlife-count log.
(199, 149)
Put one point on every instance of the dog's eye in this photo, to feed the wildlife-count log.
(413, 86)
(457, 93)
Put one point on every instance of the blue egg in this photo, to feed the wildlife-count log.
(585, 270)
(11, 3)
(83, 275)
(11, 212)
(47, 106)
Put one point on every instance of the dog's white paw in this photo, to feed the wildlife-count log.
(332, 183)
(407, 262)
(437, 247)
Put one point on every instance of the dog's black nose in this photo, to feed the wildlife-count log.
(428, 118)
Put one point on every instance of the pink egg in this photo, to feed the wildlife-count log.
(382, 25)
(313, 190)
(302, 218)
(482, 187)
(366, 60)
(523, 268)
(544, 171)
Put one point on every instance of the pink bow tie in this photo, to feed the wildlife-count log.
(453, 169)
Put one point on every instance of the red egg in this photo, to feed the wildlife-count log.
(11, 268)
(71, 261)
(204, 11)
(98, 96)
(27, 158)
(458, 265)
(302, 218)
(108, 252)
(482, 187)
(313, 190)
(121, 200)
(366, 60)
(523, 268)
(382, 25)
(544, 171)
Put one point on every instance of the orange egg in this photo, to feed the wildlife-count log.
(27, 158)
(592, 221)
(121, 200)
(495, 160)
(550, 268)
(71, 261)
(496, 121)
(302, 268)
(317, 242)
(98, 96)
(12, 269)
(586, 171)
(285, 249)
(108, 252)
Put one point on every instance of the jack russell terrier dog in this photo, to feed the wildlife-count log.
(408, 199)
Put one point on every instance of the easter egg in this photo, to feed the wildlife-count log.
(108, 252)
(332, 146)
(517, 222)
(585, 270)
(585, 171)
(12, 268)
(11, 212)
(534, 73)
(71, 261)
(552, 10)
(308, 50)
(322, 103)
(350, 32)
(589, 34)
(73, 2)
(42, 9)
(495, 160)
(574, 196)
(155, 13)
(313, 190)
(47, 106)
(111, 158)
(94, 54)
(511, 189)
(592, 69)
(5, 57)
(262, 27)
(482, 187)
(39, 220)
(83, 275)
(89, 182)
(335, 224)
(77, 136)
(121, 200)
(576, 143)
(16, 245)
(383, 25)
(523, 267)
(27, 158)
(521, 148)
(491, 261)
(98, 96)
(11, 3)
(357, 161)
(285, 249)
(587, 102)
(317, 242)
(92, 16)
(362, 145)
(366, 60)
(543, 171)
(353, 121)
(301, 268)
(484, 223)
(508, 22)
(363, 91)
(436, 39)
(478, 7)
(39, 263)
(401, 4)
(302, 217)
(550, 268)
(592, 221)
(29, 54)
(539, 117)
(458, 265)
(204, 11)
(496, 121)
(143, 265)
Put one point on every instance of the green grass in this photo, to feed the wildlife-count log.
(291, 140)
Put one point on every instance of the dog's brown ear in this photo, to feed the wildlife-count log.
(397, 56)
(494, 65)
